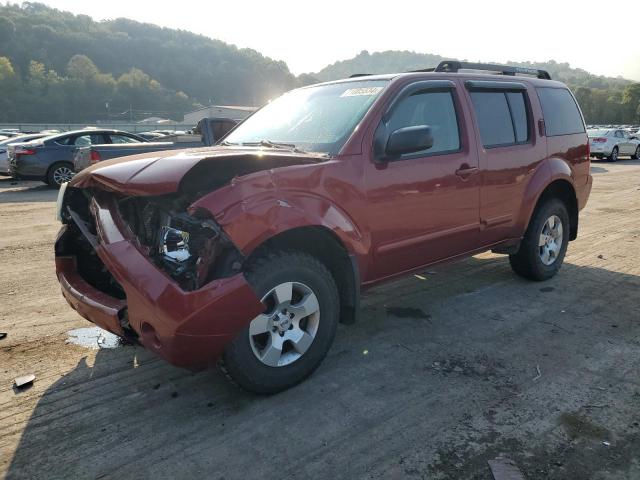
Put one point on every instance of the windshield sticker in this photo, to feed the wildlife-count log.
(365, 91)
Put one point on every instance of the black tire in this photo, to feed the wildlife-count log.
(527, 262)
(240, 363)
(53, 174)
(636, 155)
(614, 155)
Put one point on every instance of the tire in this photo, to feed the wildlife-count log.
(59, 173)
(530, 261)
(249, 360)
(636, 155)
(614, 155)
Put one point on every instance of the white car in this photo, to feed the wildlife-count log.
(4, 144)
(612, 143)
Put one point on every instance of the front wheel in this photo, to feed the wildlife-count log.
(288, 341)
(636, 155)
(545, 242)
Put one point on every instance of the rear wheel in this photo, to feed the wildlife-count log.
(288, 341)
(545, 242)
(614, 155)
(636, 155)
(59, 173)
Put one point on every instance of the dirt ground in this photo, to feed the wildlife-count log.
(440, 376)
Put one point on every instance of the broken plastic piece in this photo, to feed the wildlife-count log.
(24, 380)
(504, 469)
(3, 335)
(420, 277)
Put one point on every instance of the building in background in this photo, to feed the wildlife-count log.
(218, 111)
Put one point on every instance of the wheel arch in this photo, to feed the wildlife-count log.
(323, 244)
(553, 179)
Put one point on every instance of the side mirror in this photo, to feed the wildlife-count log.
(409, 140)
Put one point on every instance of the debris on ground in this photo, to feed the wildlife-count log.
(503, 468)
(606, 444)
(24, 380)
(420, 277)
(537, 377)
(601, 257)
(3, 335)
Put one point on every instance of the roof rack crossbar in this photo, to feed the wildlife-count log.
(452, 66)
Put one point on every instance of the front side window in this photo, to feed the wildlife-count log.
(561, 113)
(433, 109)
(318, 119)
(502, 117)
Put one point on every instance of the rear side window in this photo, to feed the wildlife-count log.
(561, 114)
(435, 109)
(502, 117)
(122, 139)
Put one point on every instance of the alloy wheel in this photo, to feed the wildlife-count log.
(62, 174)
(285, 332)
(550, 242)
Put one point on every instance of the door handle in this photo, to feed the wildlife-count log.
(465, 171)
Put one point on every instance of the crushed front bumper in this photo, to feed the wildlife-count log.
(187, 328)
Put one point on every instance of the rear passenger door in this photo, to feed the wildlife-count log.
(508, 151)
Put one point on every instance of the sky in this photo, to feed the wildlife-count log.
(310, 35)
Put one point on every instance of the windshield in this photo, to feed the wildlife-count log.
(317, 119)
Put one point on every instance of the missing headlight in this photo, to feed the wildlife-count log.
(193, 250)
(174, 244)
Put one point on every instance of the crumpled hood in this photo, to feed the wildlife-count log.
(158, 173)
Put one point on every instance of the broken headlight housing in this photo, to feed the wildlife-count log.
(192, 250)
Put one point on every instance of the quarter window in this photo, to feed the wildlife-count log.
(561, 114)
(502, 117)
(434, 109)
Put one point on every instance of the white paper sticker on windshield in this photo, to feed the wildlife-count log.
(364, 91)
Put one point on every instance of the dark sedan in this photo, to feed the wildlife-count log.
(50, 159)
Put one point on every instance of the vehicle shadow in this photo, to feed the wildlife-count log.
(131, 415)
(19, 191)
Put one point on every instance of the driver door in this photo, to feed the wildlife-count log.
(424, 206)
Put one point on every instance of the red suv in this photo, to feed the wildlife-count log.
(250, 252)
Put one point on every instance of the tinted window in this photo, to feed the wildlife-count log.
(494, 118)
(434, 109)
(519, 115)
(561, 114)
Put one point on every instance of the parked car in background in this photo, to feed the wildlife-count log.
(4, 147)
(150, 136)
(50, 159)
(250, 252)
(612, 143)
(206, 133)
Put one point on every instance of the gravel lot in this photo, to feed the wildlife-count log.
(441, 375)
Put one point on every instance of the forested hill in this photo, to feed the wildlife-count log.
(603, 99)
(59, 67)
(153, 69)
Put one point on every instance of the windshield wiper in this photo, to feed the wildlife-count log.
(270, 144)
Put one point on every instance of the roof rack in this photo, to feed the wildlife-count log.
(356, 75)
(453, 66)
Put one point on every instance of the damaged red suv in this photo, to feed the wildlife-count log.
(247, 254)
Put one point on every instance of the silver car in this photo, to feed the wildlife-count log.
(612, 143)
(4, 147)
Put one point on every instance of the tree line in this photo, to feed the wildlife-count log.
(59, 67)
